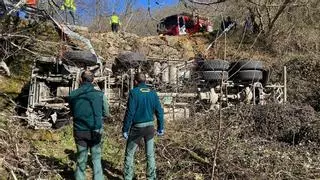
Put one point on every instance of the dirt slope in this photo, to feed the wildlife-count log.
(108, 45)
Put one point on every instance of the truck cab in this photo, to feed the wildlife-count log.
(180, 24)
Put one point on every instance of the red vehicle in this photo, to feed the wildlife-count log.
(180, 24)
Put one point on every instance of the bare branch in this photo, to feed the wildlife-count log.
(207, 3)
(279, 12)
(13, 175)
(149, 12)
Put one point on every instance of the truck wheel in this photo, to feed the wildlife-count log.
(130, 59)
(248, 65)
(85, 57)
(250, 75)
(212, 65)
(214, 75)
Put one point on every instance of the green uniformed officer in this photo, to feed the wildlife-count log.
(138, 124)
(88, 107)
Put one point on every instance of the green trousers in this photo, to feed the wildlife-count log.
(136, 133)
(82, 157)
(85, 141)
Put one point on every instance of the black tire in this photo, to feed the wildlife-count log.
(250, 75)
(85, 57)
(213, 65)
(248, 65)
(214, 75)
(131, 56)
(129, 59)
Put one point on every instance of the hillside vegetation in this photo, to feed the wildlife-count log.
(247, 142)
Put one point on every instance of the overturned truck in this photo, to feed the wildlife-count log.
(184, 87)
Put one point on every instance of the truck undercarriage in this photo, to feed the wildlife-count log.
(184, 87)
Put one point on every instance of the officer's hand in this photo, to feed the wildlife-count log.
(105, 119)
(160, 132)
(125, 135)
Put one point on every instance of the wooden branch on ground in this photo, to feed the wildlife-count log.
(196, 156)
(12, 168)
(22, 48)
(13, 175)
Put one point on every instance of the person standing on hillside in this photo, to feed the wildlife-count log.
(69, 6)
(88, 107)
(142, 104)
(115, 22)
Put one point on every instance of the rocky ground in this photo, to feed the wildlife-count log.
(108, 45)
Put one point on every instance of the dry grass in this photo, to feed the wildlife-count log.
(253, 145)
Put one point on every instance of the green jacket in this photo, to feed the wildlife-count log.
(142, 104)
(88, 107)
(115, 19)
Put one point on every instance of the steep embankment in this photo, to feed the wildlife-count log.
(108, 45)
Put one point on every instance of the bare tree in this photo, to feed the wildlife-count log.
(268, 12)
